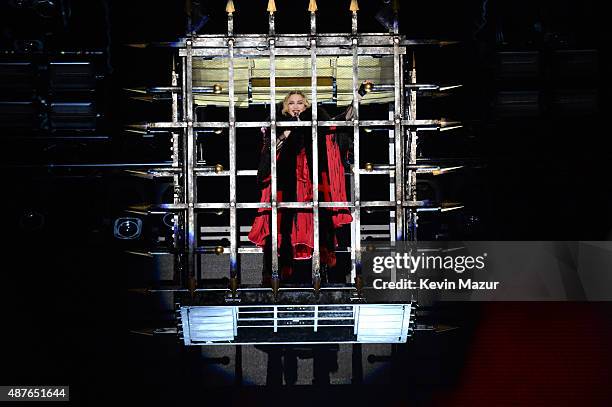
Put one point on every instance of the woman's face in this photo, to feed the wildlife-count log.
(296, 105)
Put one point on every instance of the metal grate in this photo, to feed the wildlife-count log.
(348, 323)
(296, 316)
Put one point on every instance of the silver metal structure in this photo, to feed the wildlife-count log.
(211, 315)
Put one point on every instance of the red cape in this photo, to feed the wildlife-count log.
(333, 189)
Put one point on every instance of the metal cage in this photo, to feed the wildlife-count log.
(225, 315)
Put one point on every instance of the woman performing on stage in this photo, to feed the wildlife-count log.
(294, 184)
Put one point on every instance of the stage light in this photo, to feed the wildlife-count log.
(72, 76)
(73, 116)
(127, 228)
(168, 219)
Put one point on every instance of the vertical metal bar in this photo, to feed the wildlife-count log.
(391, 145)
(232, 164)
(230, 24)
(353, 240)
(273, 185)
(316, 260)
(313, 23)
(316, 318)
(412, 159)
(399, 150)
(180, 269)
(175, 152)
(191, 187)
(356, 179)
(175, 137)
(271, 25)
(392, 217)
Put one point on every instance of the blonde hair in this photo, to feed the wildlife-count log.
(285, 110)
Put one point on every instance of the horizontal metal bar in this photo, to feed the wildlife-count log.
(295, 326)
(294, 318)
(376, 172)
(175, 89)
(348, 287)
(347, 307)
(308, 310)
(433, 124)
(415, 86)
(252, 205)
(246, 229)
(295, 205)
(256, 52)
(225, 205)
(161, 208)
(336, 204)
(212, 205)
(303, 40)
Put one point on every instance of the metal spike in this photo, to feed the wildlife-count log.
(137, 45)
(145, 254)
(271, 6)
(316, 283)
(354, 7)
(450, 206)
(140, 174)
(443, 328)
(312, 6)
(233, 285)
(445, 88)
(445, 43)
(138, 126)
(148, 98)
(229, 8)
(136, 90)
(146, 331)
(275, 286)
(141, 132)
(446, 169)
(446, 125)
(140, 209)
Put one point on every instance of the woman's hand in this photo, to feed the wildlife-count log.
(282, 138)
(365, 87)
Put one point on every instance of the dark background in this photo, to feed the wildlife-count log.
(535, 171)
